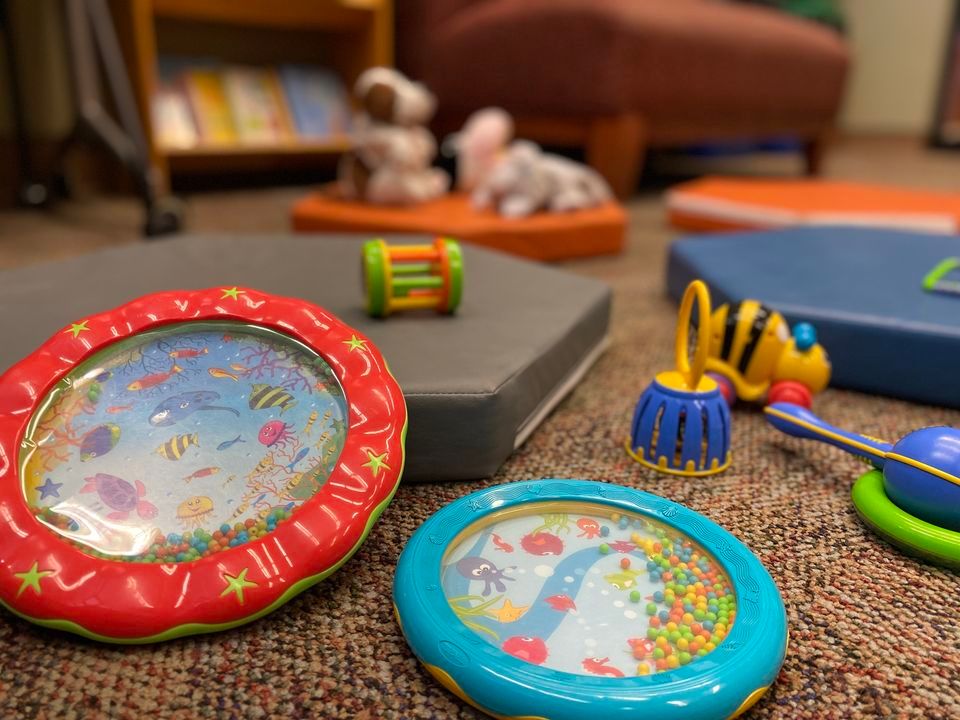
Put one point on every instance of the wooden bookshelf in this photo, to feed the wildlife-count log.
(346, 36)
(274, 156)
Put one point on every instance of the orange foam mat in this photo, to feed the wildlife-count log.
(718, 203)
(544, 236)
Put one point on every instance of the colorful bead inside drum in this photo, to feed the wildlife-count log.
(184, 441)
(579, 588)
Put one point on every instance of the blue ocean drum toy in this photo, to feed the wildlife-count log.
(566, 599)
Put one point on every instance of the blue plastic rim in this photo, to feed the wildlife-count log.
(719, 685)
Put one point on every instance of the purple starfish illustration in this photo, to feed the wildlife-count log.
(49, 489)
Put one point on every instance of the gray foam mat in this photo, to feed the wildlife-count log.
(476, 383)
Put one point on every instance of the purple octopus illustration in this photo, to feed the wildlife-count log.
(120, 496)
(478, 568)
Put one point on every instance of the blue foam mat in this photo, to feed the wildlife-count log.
(862, 290)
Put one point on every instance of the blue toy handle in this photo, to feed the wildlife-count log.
(799, 422)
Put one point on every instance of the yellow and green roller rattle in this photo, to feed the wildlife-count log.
(412, 277)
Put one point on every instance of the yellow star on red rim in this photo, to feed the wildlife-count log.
(376, 463)
(77, 328)
(355, 343)
(233, 292)
(236, 584)
(31, 578)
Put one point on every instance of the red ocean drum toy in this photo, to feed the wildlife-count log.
(189, 462)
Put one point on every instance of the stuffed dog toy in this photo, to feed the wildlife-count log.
(517, 178)
(390, 161)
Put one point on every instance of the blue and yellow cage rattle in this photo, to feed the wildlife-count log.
(681, 424)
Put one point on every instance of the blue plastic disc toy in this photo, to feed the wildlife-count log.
(566, 599)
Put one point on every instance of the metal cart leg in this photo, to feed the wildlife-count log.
(31, 192)
(91, 34)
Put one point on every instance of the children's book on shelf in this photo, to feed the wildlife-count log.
(172, 120)
(202, 101)
(208, 98)
(257, 105)
(317, 101)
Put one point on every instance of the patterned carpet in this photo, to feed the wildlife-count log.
(873, 632)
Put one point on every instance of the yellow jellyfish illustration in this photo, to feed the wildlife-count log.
(193, 511)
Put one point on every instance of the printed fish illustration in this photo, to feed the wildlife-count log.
(310, 421)
(239, 368)
(99, 441)
(228, 338)
(293, 483)
(300, 456)
(175, 447)
(201, 473)
(622, 580)
(177, 407)
(531, 649)
(641, 647)
(188, 353)
(230, 443)
(221, 373)
(116, 409)
(623, 546)
(590, 528)
(563, 603)
(500, 543)
(149, 381)
(269, 396)
(324, 436)
(266, 462)
(598, 666)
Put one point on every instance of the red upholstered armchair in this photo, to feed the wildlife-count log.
(619, 76)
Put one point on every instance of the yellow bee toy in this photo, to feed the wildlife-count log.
(753, 356)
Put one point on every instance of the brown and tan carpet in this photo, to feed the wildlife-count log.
(873, 633)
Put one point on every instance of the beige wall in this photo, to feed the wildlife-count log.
(897, 48)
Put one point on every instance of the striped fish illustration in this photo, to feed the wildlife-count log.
(269, 396)
(310, 421)
(266, 462)
(175, 447)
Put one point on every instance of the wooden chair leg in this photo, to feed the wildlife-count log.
(813, 151)
(615, 148)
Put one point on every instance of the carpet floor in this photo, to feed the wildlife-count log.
(873, 633)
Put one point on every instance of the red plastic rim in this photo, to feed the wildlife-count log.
(49, 581)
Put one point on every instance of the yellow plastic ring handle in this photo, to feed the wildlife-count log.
(692, 373)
